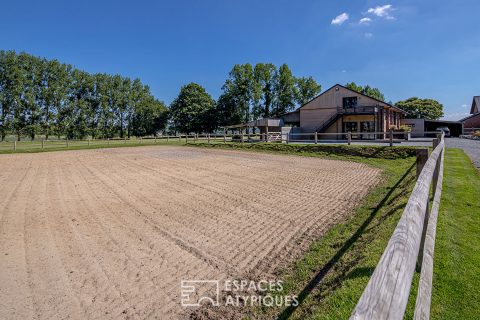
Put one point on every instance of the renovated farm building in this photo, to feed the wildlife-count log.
(340, 110)
(336, 110)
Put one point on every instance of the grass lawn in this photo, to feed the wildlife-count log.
(456, 278)
(61, 145)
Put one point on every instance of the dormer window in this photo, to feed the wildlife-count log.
(349, 102)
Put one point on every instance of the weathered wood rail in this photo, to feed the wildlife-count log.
(412, 243)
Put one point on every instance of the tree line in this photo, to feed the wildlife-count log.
(46, 97)
(250, 92)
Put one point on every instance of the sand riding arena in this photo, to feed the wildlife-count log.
(111, 233)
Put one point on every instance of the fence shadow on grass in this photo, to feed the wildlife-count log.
(287, 312)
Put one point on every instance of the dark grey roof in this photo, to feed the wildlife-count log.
(475, 103)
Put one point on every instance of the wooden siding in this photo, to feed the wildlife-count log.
(333, 98)
(472, 122)
(320, 109)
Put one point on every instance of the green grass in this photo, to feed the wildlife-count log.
(61, 145)
(456, 279)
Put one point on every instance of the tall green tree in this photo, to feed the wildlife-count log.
(286, 91)
(190, 108)
(366, 90)
(421, 108)
(265, 85)
(150, 117)
(11, 89)
(227, 110)
(307, 89)
(54, 93)
(239, 86)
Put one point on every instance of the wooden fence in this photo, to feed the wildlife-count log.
(390, 137)
(412, 244)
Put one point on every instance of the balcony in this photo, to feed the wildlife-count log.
(358, 110)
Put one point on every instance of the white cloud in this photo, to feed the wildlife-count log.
(465, 106)
(344, 71)
(382, 11)
(365, 20)
(368, 35)
(341, 18)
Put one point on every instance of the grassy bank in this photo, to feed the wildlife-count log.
(380, 152)
(457, 249)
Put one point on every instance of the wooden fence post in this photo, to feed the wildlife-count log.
(14, 145)
(186, 138)
(316, 137)
(88, 141)
(241, 137)
(391, 137)
(224, 136)
(288, 138)
(422, 157)
(349, 137)
(43, 144)
(208, 138)
(66, 141)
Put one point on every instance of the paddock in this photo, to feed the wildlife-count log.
(111, 233)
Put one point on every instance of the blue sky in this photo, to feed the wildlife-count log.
(405, 48)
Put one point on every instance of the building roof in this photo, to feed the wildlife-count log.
(475, 105)
(339, 85)
(470, 116)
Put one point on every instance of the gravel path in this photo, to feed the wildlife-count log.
(471, 147)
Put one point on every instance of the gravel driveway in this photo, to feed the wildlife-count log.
(471, 147)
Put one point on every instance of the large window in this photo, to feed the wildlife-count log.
(349, 102)
(367, 126)
(350, 126)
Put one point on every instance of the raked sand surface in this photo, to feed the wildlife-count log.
(110, 233)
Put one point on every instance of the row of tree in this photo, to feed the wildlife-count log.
(250, 92)
(39, 96)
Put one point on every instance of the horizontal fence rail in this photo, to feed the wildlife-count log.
(386, 294)
(389, 137)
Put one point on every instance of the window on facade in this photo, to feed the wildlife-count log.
(350, 126)
(367, 126)
(349, 102)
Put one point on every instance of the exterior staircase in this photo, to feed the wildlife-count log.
(327, 123)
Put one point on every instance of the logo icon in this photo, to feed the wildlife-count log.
(196, 292)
